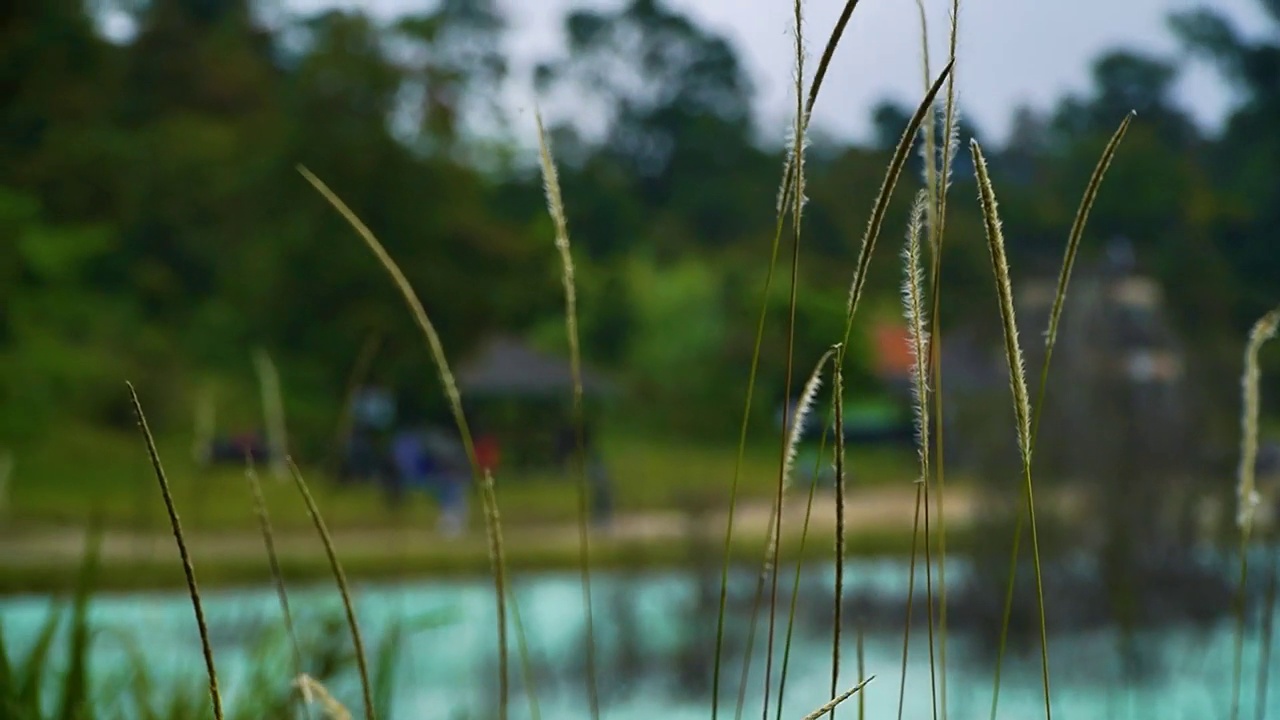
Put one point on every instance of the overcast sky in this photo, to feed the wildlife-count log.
(1011, 51)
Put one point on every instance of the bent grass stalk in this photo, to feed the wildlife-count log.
(1074, 239)
(1017, 382)
(187, 568)
(442, 366)
(340, 577)
(555, 207)
(1246, 489)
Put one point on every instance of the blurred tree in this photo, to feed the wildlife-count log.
(1248, 151)
(677, 104)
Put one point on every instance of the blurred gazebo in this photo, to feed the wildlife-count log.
(524, 397)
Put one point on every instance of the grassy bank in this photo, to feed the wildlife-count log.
(425, 561)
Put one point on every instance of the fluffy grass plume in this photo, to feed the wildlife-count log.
(555, 207)
(1017, 381)
(340, 577)
(1246, 487)
(913, 310)
(187, 568)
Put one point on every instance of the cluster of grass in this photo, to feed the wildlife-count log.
(936, 121)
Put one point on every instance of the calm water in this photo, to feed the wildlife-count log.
(652, 642)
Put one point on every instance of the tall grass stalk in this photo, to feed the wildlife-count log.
(273, 562)
(911, 592)
(450, 386)
(795, 583)
(789, 443)
(555, 207)
(930, 156)
(836, 701)
(498, 561)
(837, 614)
(526, 665)
(1246, 489)
(951, 133)
(881, 206)
(188, 568)
(1074, 239)
(340, 577)
(833, 41)
(1017, 382)
(770, 568)
(1267, 634)
(872, 234)
(862, 670)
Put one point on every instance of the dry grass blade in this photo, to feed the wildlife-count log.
(1246, 488)
(881, 207)
(340, 577)
(187, 568)
(273, 562)
(828, 53)
(830, 706)
(555, 207)
(314, 691)
(1018, 382)
(1078, 225)
(433, 342)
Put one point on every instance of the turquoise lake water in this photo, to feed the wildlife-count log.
(648, 640)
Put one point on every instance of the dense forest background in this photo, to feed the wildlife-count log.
(153, 226)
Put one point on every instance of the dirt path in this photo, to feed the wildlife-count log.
(877, 509)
